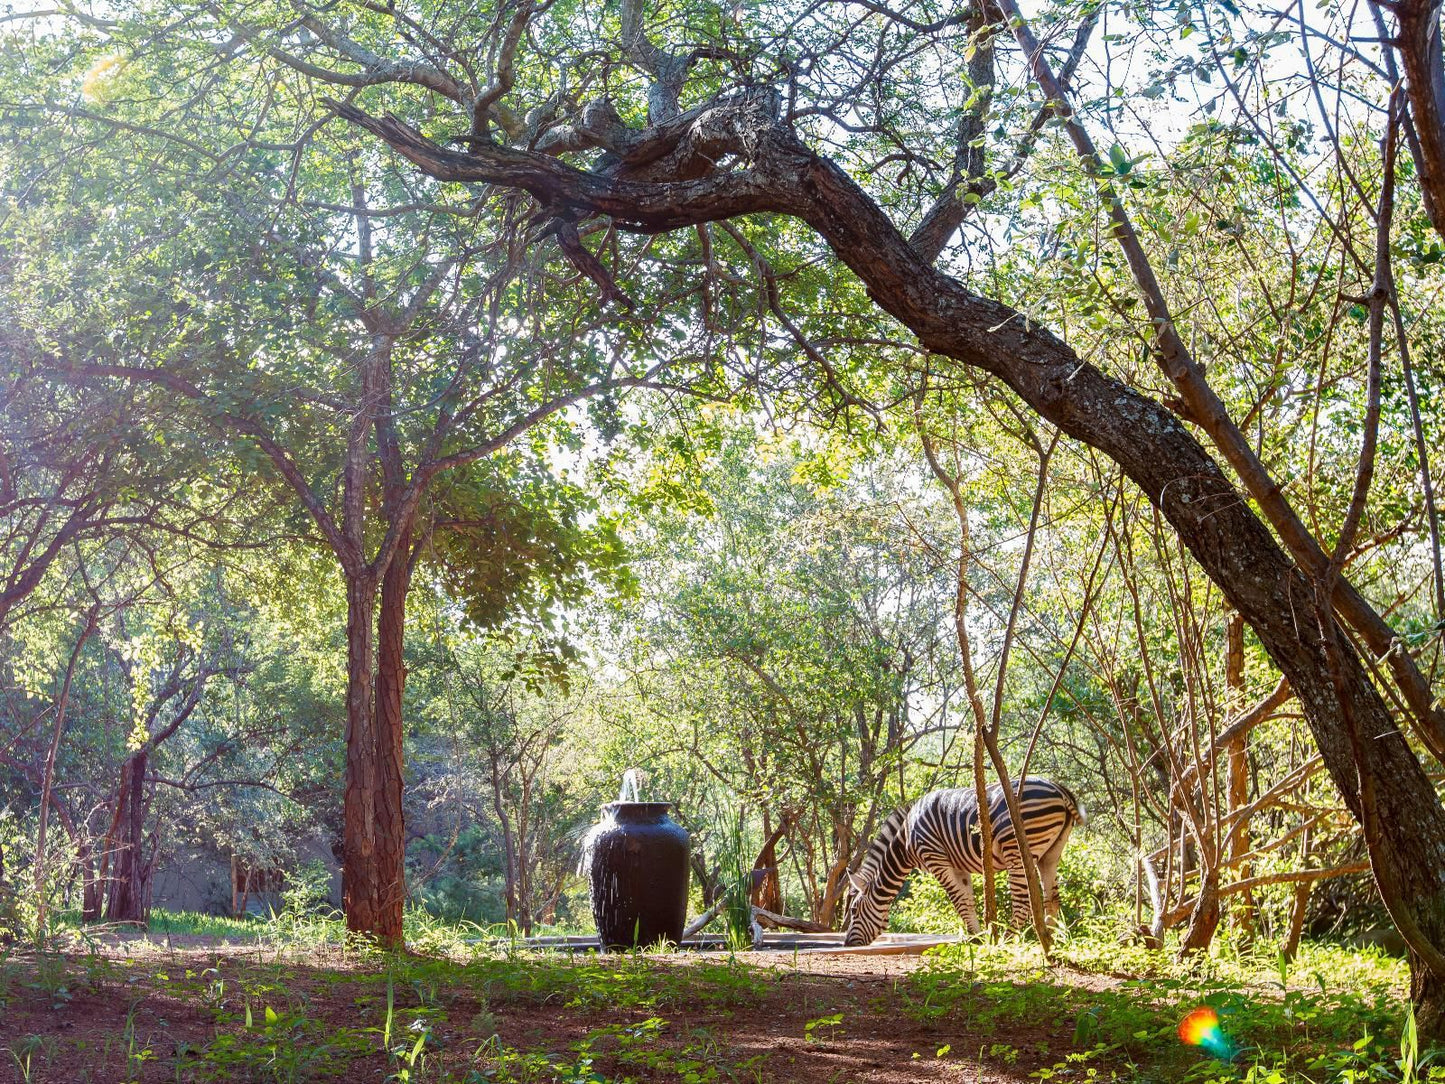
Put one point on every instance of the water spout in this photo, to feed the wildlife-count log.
(631, 783)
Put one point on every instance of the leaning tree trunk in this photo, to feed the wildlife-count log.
(1407, 851)
(1150, 444)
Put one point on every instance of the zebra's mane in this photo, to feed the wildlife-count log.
(882, 843)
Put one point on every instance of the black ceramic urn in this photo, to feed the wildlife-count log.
(638, 870)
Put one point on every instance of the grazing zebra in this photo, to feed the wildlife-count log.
(940, 833)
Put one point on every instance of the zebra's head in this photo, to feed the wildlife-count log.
(865, 916)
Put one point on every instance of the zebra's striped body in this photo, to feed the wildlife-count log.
(941, 833)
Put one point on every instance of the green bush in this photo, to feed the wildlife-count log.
(308, 889)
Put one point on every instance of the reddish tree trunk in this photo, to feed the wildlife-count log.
(374, 874)
(359, 860)
(129, 895)
(390, 685)
(767, 889)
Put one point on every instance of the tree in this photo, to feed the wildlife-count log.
(787, 644)
(741, 146)
(405, 364)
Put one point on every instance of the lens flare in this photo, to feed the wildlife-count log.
(1201, 1028)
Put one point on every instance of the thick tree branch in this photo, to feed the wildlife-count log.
(1417, 39)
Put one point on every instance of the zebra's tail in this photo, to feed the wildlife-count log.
(1081, 813)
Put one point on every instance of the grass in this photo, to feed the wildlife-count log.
(196, 923)
(1333, 1014)
(311, 1005)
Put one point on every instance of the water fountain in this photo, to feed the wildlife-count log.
(636, 862)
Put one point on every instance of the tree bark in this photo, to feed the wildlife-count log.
(1418, 42)
(767, 889)
(1299, 903)
(128, 896)
(509, 843)
(373, 877)
(9, 917)
(1204, 919)
(92, 894)
(362, 863)
(390, 686)
(61, 704)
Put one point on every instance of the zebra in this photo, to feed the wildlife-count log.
(940, 833)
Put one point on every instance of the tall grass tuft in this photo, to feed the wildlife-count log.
(736, 869)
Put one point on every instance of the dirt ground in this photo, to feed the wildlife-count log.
(138, 1010)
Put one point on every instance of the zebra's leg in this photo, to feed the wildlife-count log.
(959, 887)
(1049, 876)
(1021, 913)
(1049, 882)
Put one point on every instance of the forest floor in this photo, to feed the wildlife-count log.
(192, 1008)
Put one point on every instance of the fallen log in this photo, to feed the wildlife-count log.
(803, 925)
(703, 919)
(885, 948)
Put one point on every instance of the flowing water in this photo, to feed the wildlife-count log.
(631, 782)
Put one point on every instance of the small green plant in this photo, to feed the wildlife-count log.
(1003, 1052)
(812, 1030)
(136, 1052)
(1409, 1046)
(23, 1054)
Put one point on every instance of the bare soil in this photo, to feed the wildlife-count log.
(138, 1010)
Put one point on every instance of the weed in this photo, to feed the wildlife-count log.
(279, 1046)
(812, 1030)
(23, 1054)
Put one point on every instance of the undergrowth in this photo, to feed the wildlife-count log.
(300, 1001)
(1332, 1014)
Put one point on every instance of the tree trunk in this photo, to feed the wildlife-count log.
(1427, 993)
(9, 913)
(362, 864)
(128, 890)
(767, 889)
(390, 685)
(985, 830)
(509, 843)
(61, 704)
(373, 880)
(825, 913)
(1238, 750)
(1418, 42)
(1204, 920)
(92, 896)
(1299, 904)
